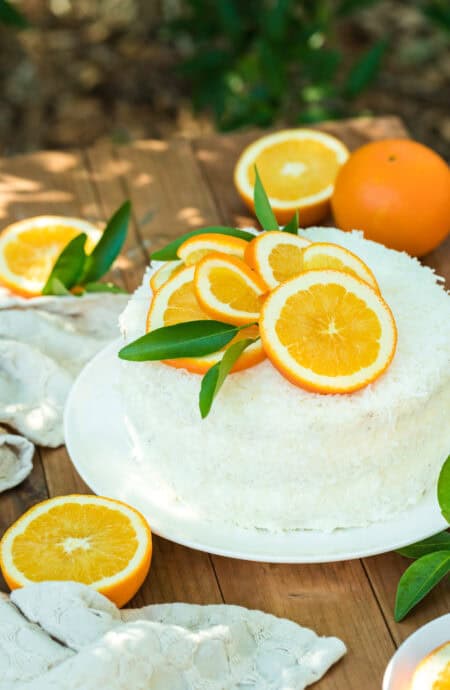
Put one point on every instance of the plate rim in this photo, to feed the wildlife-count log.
(157, 528)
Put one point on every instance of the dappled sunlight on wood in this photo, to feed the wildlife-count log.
(142, 179)
(55, 161)
(155, 145)
(207, 155)
(191, 216)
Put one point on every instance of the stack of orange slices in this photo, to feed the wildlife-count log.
(316, 306)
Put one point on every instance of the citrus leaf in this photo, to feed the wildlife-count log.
(11, 16)
(438, 542)
(444, 489)
(103, 287)
(214, 377)
(189, 339)
(365, 70)
(292, 226)
(108, 248)
(418, 580)
(263, 209)
(169, 252)
(68, 267)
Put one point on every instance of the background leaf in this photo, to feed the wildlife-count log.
(439, 542)
(365, 70)
(68, 267)
(190, 339)
(292, 226)
(263, 209)
(444, 489)
(55, 287)
(11, 16)
(108, 248)
(103, 287)
(169, 252)
(419, 579)
(214, 377)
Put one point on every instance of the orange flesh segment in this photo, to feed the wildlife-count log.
(183, 306)
(335, 345)
(231, 289)
(294, 169)
(85, 543)
(286, 261)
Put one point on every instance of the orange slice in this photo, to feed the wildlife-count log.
(228, 290)
(176, 302)
(325, 255)
(276, 256)
(195, 248)
(433, 673)
(163, 273)
(297, 167)
(29, 249)
(328, 331)
(97, 541)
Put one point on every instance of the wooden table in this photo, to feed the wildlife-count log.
(176, 185)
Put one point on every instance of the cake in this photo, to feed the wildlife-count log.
(274, 456)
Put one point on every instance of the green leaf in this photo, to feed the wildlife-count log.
(11, 16)
(263, 209)
(68, 267)
(108, 248)
(419, 579)
(189, 339)
(169, 252)
(214, 377)
(103, 287)
(444, 489)
(292, 226)
(55, 287)
(365, 70)
(438, 542)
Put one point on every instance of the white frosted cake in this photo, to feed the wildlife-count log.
(272, 455)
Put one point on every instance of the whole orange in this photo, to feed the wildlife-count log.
(398, 192)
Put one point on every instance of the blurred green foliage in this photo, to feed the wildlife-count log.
(256, 61)
(10, 16)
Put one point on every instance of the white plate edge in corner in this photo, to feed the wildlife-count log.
(100, 449)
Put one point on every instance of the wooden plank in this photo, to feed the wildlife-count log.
(217, 157)
(144, 172)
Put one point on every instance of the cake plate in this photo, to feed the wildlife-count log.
(100, 447)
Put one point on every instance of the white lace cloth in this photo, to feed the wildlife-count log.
(16, 459)
(44, 343)
(161, 647)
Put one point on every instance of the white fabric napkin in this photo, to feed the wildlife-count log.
(16, 459)
(44, 343)
(67, 637)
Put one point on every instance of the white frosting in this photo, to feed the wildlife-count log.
(274, 456)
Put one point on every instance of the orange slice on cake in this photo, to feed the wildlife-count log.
(29, 249)
(164, 273)
(176, 302)
(433, 673)
(97, 541)
(326, 255)
(276, 256)
(328, 331)
(195, 248)
(297, 167)
(228, 290)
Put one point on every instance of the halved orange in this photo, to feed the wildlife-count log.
(228, 290)
(163, 273)
(297, 167)
(276, 256)
(326, 255)
(176, 302)
(29, 249)
(433, 672)
(97, 541)
(328, 331)
(195, 248)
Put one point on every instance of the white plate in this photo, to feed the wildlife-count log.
(400, 670)
(100, 448)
